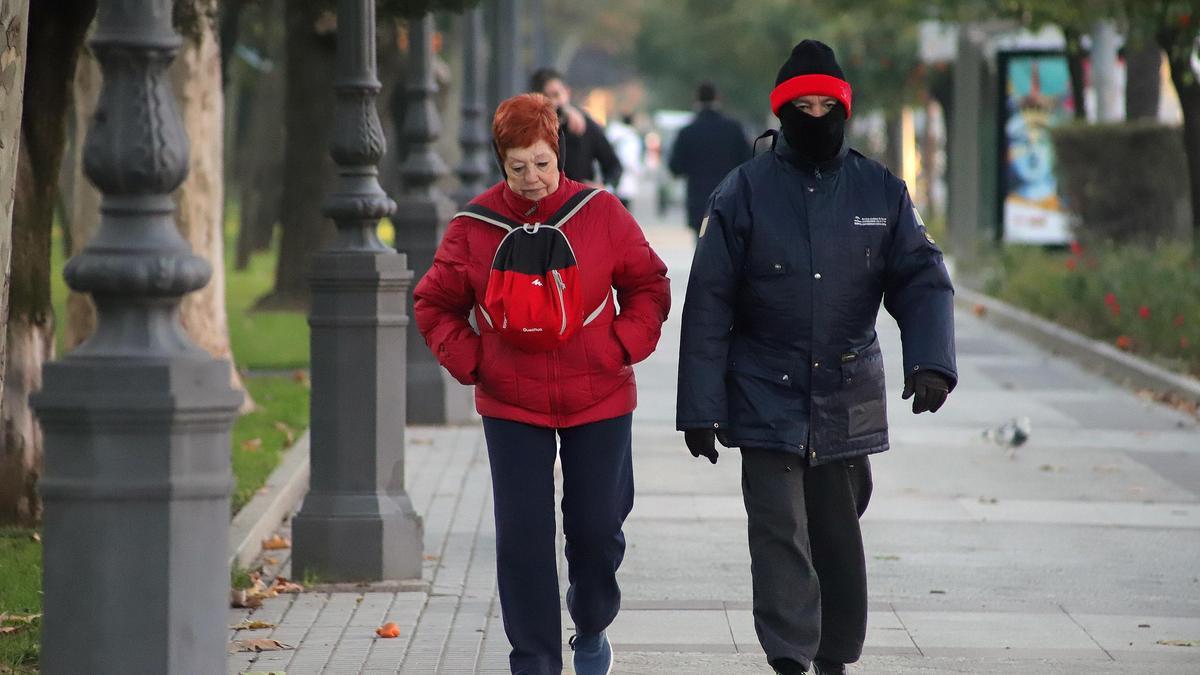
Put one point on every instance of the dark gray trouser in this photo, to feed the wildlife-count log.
(806, 554)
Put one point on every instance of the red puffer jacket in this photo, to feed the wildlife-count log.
(589, 377)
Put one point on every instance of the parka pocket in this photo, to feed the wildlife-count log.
(864, 392)
(761, 397)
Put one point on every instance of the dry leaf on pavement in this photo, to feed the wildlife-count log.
(276, 542)
(252, 625)
(283, 585)
(258, 645)
(1180, 643)
(388, 630)
(241, 599)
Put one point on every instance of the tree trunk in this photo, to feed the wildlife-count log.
(1143, 62)
(1189, 101)
(307, 166)
(260, 157)
(1075, 58)
(14, 19)
(196, 80)
(56, 31)
(84, 201)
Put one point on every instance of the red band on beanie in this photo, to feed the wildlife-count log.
(811, 85)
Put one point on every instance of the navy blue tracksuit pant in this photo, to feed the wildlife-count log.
(597, 467)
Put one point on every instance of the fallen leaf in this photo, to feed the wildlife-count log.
(7, 630)
(283, 585)
(1180, 643)
(270, 560)
(301, 377)
(241, 599)
(388, 630)
(276, 542)
(258, 645)
(431, 557)
(252, 445)
(288, 432)
(252, 625)
(36, 536)
(979, 310)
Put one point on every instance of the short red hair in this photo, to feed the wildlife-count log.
(524, 120)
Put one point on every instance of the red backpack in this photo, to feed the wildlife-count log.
(533, 297)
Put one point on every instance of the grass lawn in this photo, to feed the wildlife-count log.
(20, 596)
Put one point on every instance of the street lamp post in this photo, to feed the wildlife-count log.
(136, 480)
(357, 522)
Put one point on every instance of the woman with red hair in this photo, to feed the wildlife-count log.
(579, 395)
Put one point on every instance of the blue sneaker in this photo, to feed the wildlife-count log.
(593, 654)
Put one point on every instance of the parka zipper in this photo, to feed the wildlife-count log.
(559, 286)
(868, 258)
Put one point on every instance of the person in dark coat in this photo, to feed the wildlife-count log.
(779, 355)
(585, 142)
(705, 151)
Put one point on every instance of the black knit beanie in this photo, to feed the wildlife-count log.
(811, 69)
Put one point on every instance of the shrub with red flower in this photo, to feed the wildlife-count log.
(1072, 264)
(1076, 248)
(1124, 342)
(1144, 312)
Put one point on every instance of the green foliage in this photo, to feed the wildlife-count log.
(683, 42)
(1073, 289)
(20, 595)
(261, 436)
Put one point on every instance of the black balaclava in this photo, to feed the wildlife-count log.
(812, 68)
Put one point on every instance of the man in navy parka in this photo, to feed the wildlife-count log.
(779, 355)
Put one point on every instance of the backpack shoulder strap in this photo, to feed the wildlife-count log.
(572, 206)
(487, 215)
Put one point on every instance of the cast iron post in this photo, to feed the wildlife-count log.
(422, 212)
(473, 136)
(137, 477)
(357, 522)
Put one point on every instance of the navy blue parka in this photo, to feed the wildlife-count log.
(779, 348)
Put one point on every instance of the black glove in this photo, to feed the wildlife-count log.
(702, 442)
(930, 388)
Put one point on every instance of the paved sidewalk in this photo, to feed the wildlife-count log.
(1076, 552)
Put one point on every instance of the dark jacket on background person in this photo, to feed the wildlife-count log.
(705, 151)
(582, 152)
(779, 349)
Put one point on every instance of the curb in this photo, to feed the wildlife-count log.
(1100, 357)
(261, 516)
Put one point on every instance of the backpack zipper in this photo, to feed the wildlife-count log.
(560, 287)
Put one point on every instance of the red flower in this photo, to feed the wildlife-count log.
(1072, 264)
(1184, 20)
(1144, 312)
(1110, 299)
(1076, 248)
(1124, 342)
(1178, 320)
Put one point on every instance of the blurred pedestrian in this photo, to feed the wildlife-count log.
(586, 144)
(627, 144)
(578, 393)
(706, 150)
(779, 355)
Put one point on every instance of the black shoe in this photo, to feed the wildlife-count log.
(821, 667)
(787, 666)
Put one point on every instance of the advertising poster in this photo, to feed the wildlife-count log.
(1036, 98)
